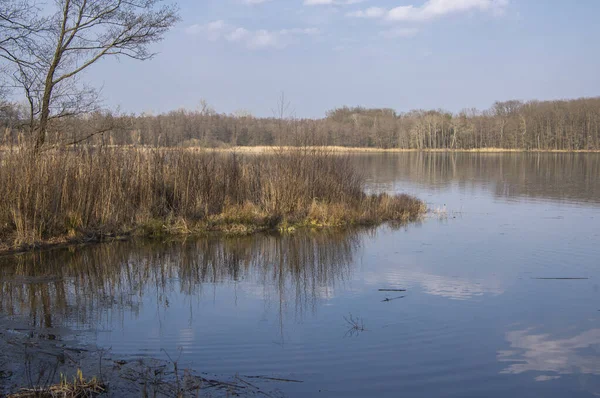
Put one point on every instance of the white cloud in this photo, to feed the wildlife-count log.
(237, 34)
(431, 9)
(371, 12)
(251, 2)
(331, 2)
(212, 30)
(299, 31)
(399, 33)
(252, 39)
(262, 39)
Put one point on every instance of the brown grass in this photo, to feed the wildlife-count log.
(78, 388)
(92, 193)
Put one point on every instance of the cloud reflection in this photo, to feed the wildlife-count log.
(455, 288)
(533, 352)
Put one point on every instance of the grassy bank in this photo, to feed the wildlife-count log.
(90, 194)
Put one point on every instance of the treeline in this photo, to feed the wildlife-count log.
(534, 125)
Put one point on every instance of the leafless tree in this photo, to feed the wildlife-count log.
(18, 23)
(75, 36)
(283, 112)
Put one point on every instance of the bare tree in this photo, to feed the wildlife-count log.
(283, 109)
(283, 112)
(74, 37)
(18, 23)
(205, 108)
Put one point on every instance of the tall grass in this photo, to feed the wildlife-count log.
(91, 193)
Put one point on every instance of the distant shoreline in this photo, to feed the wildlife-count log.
(331, 148)
(266, 149)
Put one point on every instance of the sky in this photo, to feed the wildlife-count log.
(240, 55)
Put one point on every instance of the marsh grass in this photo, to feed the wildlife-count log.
(79, 387)
(94, 193)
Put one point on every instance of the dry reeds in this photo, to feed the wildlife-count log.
(78, 388)
(92, 193)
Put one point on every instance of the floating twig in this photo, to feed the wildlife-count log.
(258, 390)
(562, 279)
(392, 290)
(390, 299)
(274, 379)
(356, 325)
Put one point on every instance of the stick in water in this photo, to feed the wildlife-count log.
(562, 279)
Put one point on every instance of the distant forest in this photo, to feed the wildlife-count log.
(532, 125)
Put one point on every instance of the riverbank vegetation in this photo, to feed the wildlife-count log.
(89, 194)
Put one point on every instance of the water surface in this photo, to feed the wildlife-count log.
(474, 321)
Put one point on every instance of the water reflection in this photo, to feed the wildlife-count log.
(542, 352)
(454, 288)
(547, 176)
(76, 287)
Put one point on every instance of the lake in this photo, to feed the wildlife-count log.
(501, 280)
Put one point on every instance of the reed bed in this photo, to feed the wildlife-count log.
(92, 193)
(78, 388)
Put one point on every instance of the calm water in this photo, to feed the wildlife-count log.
(474, 321)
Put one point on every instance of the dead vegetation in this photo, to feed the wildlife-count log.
(78, 388)
(356, 325)
(95, 193)
(37, 374)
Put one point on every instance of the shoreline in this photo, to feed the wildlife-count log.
(341, 149)
(87, 369)
(199, 230)
(262, 149)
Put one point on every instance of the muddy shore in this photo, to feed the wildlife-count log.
(34, 358)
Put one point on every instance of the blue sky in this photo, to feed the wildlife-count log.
(401, 54)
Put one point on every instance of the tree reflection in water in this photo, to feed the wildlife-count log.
(80, 286)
